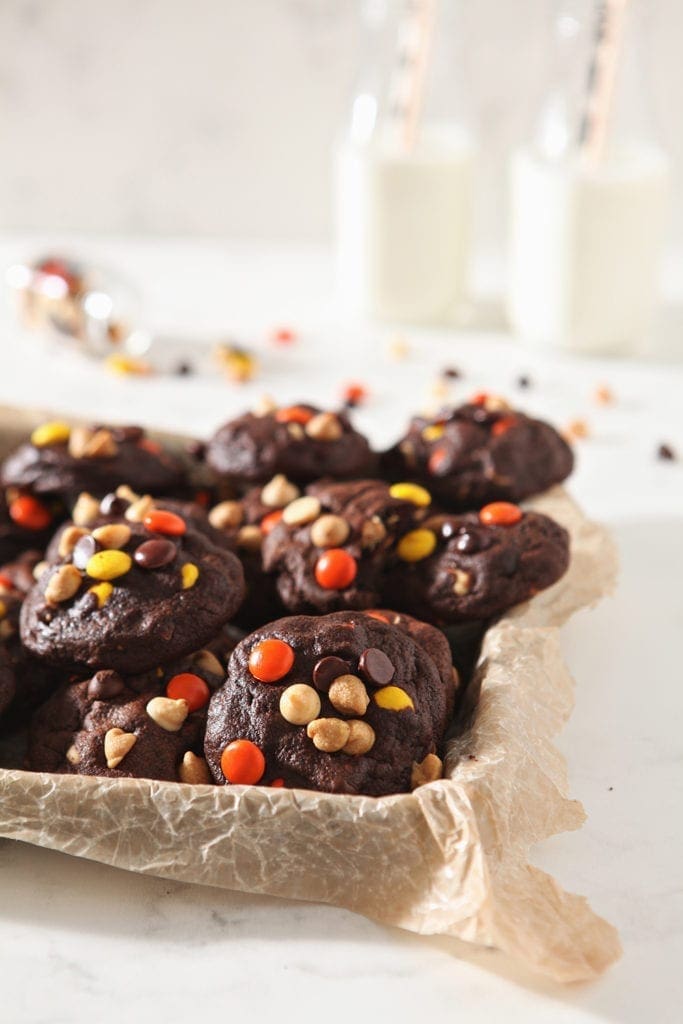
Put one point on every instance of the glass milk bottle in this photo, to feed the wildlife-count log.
(589, 195)
(404, 170)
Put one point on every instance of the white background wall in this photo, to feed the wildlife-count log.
(217, 116)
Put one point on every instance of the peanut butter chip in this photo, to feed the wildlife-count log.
(328, 734)
(329, 531)
(167, 713)
(117, 744)
(348, 695)
(361, 738)
(86, 510)
(194, 770)
(113, 535)
(428, 770)
(462, 582)
(279, 492)
(249, 538)
(63, 584)
(324, 427)
(226, 515)
(137, 511)
(299, 704)
(69, 539)
(373, 532)
(301, 511)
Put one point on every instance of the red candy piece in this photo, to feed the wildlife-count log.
(28, 512)
(378, 616)
(500, 513)
(271, 520)
(270, 660)
(294, 414)
(189, 687)
(161, 521)
(243, 763)
(278, 784)
(436, 460)
(6, 582)
(354, 393)
(335, 569)
(502, 425)
(479, 398)
(284, 336)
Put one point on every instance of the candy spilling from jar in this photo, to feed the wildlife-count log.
(79, 304)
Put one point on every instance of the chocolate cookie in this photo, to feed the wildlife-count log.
(480, 564)
(299, 441)
(480, 452)
(343, 703)
(147, 726)
(7, 683)
(330, 548)
(63, 460)
(32, 679)
(131, 594)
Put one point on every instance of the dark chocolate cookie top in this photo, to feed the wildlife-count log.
(481, 452)
(7, 684)
(330, 547)
(343, 703)
(301, 441)
(63, 460)
(148, 725)
(478, 565)
(132, 593)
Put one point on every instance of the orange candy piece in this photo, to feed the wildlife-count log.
(189, 687)
(436, 460)
(354, 393)
(335, 569)
(479, 398)
(500, 513)
(147, 445)
(294, 414)
(502, 425)
(30, 513)
(5, 582)
(270, 660)
(243, 763)
(278, 784)
(161, 521)
(271, 520)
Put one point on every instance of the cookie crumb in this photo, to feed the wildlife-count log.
(603, 395)
(666, 453)
(576, 430)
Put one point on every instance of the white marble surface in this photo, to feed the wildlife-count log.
(84, 942)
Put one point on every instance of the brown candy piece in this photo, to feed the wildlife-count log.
(375, 667)
(105, 684)
(154, 554)
(327, 670)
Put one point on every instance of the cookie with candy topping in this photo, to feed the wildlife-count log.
(145, 726)
(330, 547)
(64, 460)
(131, 594)
(342, 703)
(300, 441)
(479, 564)
(480, 452)
(32, 680)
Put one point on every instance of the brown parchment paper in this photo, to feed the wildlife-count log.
(450, 859)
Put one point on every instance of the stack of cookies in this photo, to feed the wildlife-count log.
(274, 609)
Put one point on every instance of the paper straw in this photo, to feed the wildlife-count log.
(413, 53)
(601, 79)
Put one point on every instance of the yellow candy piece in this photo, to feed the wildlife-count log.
(107, 565)
(3, 609)
(46, 434)
(126, 366)
(416, 545)
(393, 698)
(433, 432)
(190, 575)
(102, 592)
(411, 492)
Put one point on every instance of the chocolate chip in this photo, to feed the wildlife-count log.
(154, 554)
(113, 505)
(375, 667)
(105, 684)
(327, 670)
(85, 548)
(468, 543)
(666, 452)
